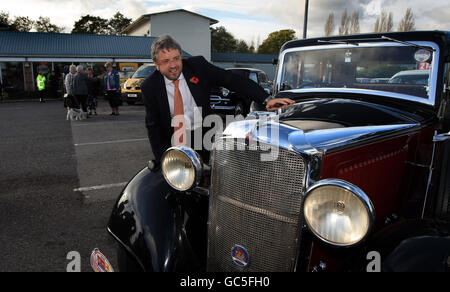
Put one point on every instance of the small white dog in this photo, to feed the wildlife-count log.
(75, 114)
(72, 112)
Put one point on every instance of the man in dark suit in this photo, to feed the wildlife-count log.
(176, 96)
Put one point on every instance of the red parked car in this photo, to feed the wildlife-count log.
(353, 177)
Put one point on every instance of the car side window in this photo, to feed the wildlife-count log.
(253, 77)
(262, 77)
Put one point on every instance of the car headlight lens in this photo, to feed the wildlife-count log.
(338, 212)
(181, 167)
(225, 92)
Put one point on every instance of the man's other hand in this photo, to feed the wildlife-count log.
(277, 103)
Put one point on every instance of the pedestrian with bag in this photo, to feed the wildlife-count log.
(112, 88)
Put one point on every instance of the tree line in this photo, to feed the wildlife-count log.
(87, 24)
(24, 23)
(349, 24)
(223, 41)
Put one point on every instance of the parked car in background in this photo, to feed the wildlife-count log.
(225, 101)
(131, 90)
(126, 70)
(411, 77)
(353, 177)
(124, 76)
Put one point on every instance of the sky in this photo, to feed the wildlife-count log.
(250, 20)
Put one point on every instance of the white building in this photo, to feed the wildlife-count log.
(189, 29)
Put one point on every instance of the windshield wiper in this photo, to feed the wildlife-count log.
(408, 44)
(351, 42)
(338, 42)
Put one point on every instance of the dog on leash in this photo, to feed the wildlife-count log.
(75, 114)
(74, 111)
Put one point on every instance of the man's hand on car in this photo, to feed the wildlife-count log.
(278, 103)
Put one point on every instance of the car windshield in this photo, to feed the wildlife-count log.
(144, 72)
(125, 74)
(392, 68)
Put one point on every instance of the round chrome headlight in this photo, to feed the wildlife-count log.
(338, 212)
(225, 92)
(181, 167)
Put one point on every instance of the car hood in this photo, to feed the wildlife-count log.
(325, 125)
(133, 82)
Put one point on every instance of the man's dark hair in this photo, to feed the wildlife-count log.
(164, 42)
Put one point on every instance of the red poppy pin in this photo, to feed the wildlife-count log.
(194, 80)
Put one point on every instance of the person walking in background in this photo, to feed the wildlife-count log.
(52, 85)
(92, 91)
(112, 88)
(68, 81)
(80, 87)
(41, 82)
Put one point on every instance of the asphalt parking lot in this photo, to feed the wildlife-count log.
(59, 180)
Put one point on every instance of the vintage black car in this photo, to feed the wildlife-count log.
(224, 101)
(347, 179)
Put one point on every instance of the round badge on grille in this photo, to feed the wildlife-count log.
(240, 256)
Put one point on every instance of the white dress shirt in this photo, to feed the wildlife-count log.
(192, 113)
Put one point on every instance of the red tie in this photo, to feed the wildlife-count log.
(178, 112)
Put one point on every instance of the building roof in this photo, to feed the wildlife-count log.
(243, 58)
(148, 16)
(62, 45)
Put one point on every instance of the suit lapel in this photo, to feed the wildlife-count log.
(195, 88)
(163, 103)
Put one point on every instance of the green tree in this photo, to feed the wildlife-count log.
(88, 24)
(242, 47)
(4, 17)
(222, 41)
(23, 23)
(43, 24)
(118, 23)
(273, 43)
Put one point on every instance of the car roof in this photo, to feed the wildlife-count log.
(246, 69)
(146, 65)
(441, 38)
(412, 72)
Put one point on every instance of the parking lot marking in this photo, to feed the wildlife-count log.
(104, 123)
(11, 108)
(111, 142)
(100, 187)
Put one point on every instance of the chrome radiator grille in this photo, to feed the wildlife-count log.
(254, 204)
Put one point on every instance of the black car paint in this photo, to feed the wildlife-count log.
(180, 243)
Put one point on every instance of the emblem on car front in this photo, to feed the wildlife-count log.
(240, 256)
(99, 262)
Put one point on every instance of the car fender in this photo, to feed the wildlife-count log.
(142, 221)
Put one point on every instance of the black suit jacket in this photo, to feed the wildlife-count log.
(154, 94)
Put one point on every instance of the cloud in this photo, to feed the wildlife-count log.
(252, 17)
